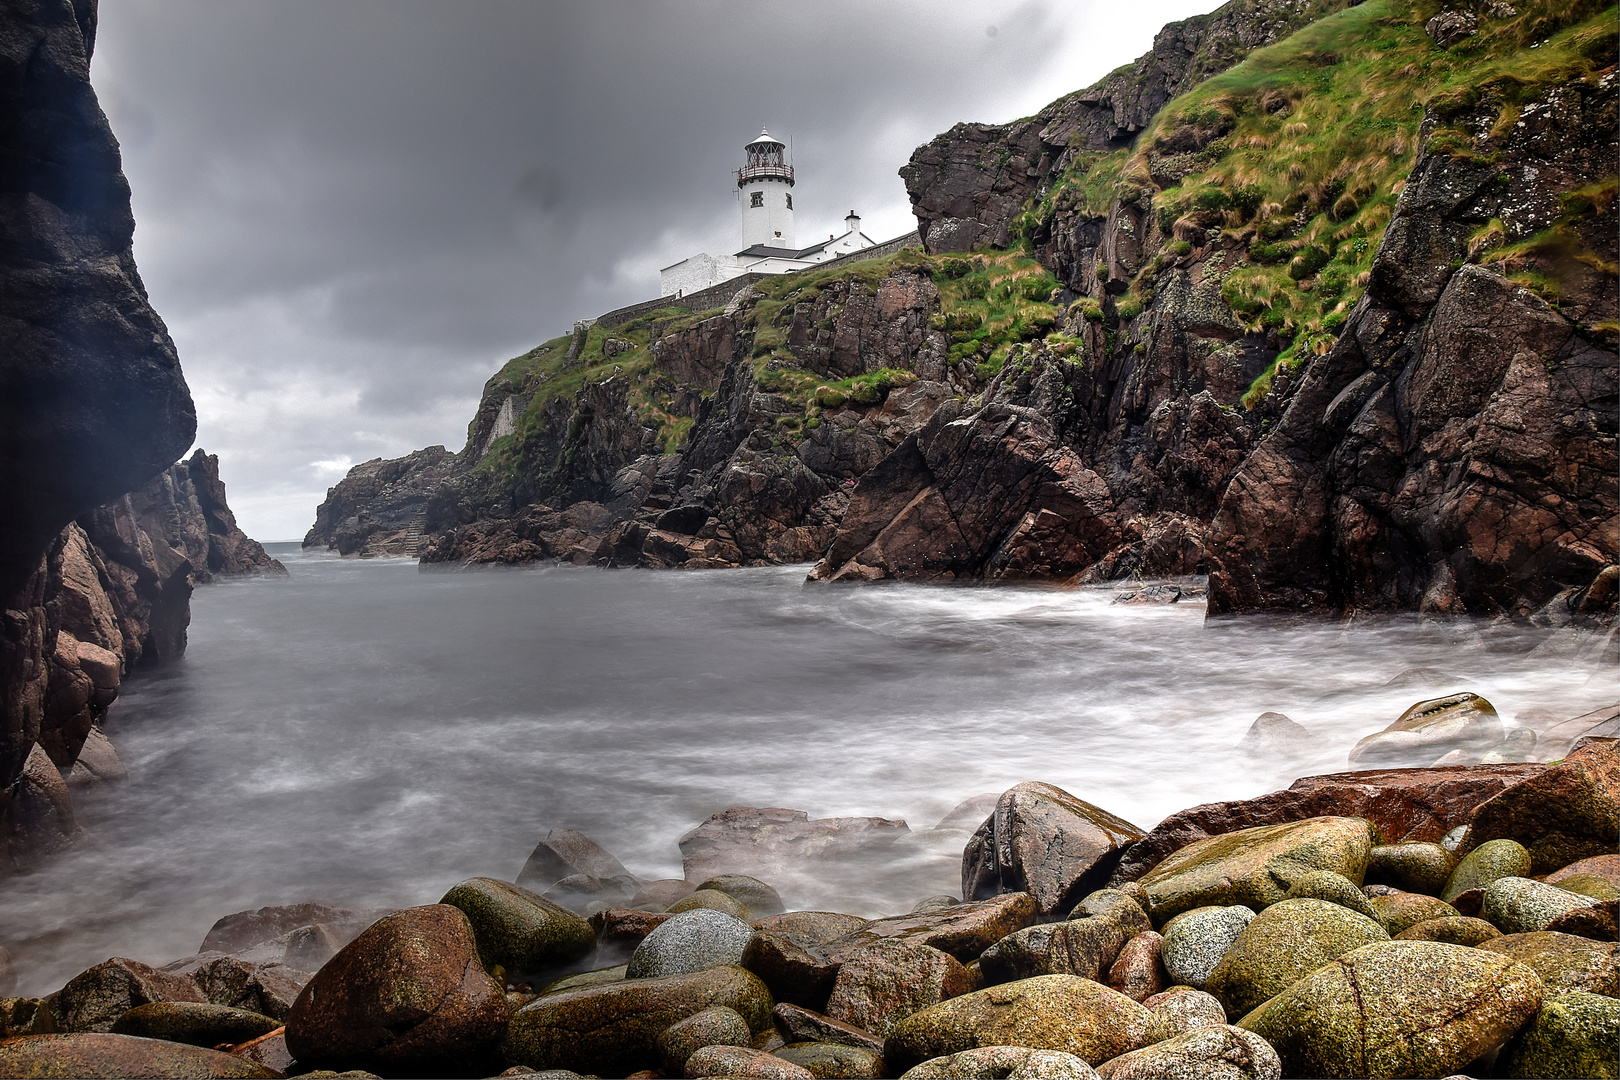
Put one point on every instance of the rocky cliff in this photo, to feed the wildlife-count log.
(113, 590)
(92, 402)
(1317, 300)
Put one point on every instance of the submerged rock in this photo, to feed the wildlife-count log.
(564, 853)
(1430, 729)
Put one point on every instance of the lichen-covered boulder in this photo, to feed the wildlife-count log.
(105, 1054)
(518, 930)
(1574, 1034)
(1180, 1011)
(997, 1062)
(197, 1023)
(1084, 944)
(1429, 730)
(760, 898)
(1335, 889)
(1255, 867)
(690, 941)
(613, 1030)
(715, 1026)
(1564, 962)
(1049, 1012)
(1221, 1052)
(743, 1063)
(1195, 941)
(784, 952)
(408, 995)
(880, 985)
(1453, 929)
(1396, 1009)
(831, 1061)
(712, 900)
(1283, 944)
(1483, 865)
(1517, 905)
(1567, 812)
(1043, 841)
(1400, 910)
(1416, 866)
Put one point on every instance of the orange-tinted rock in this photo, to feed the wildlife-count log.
(743, 1063)
(1606, 867)
(880, 985)
(1043, 841)
(1404, 804)
(1600, 922)
(1566, 812)
(1138, 972)
(620, 930)
(406, 996)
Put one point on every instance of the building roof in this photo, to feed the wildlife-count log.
(763, 251)
(764, 137)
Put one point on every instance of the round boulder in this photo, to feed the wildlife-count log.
(831, 1061)
(1566, 963)
(1517, 905)
(408, 995)
(196, 1023)
(996, 1062)
(715, 1026)
(712, 900)
(1138, 971)
(1222, 1052)
(1396, 1009)
(1283, 944)
(1454, 930)
(1195, 941)
(1335, 889)
(1573, 1035)
(1178, 1012)
(743, 1063)
(1048, 1012)
(1491, 860)
(95, 998)
(1421, 867)
(517, 929)
(690, 941)
(1398, 910)
(106, 1054)
(752, 893)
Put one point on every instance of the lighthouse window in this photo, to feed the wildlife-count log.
(756, 198)
(790, 202)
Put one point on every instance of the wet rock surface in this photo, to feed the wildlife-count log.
(106, 1054)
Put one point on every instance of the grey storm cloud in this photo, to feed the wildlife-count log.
(350, 214)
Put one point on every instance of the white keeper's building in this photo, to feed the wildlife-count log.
(765, 190)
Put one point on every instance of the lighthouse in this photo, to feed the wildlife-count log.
(766, 183)
(765, 189)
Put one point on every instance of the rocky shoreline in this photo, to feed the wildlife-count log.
(1457, 919)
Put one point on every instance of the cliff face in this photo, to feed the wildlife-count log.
(1305, 299)
(92, 402)
(113, 590)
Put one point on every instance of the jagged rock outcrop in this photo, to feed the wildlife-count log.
(1456, 449)
(113, 590)
(92, 402)
(967, 185)
(379, 508)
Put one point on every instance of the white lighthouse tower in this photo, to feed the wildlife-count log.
(766, 182)
(765, 186)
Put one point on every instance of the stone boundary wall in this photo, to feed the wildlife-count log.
(718, 295)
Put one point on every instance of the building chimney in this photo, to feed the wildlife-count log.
(852, 222)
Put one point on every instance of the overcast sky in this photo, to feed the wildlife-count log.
(351, 212)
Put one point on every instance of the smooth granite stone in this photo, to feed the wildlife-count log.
(517, 929)
(715, 1026)
(1454, 930)
(599, 977)
(830, 1061)
(1195, 941)
(1255, 867)
(613, 1030)
(1397, 1009)
(1283, 944)
(1176, 1013)
(1517, 905)
(196, 1023)
(1419, 866)
(1221, 1052)
(1050, 1012)
(742, 1063)
(1486, 863)
(997, 1062)
(1574, 1034)
(1430, 729)
(1138, 971)
(1398, 911)
(84, 1054)
(1335, 889)
(1564, 962)
(690, 941)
